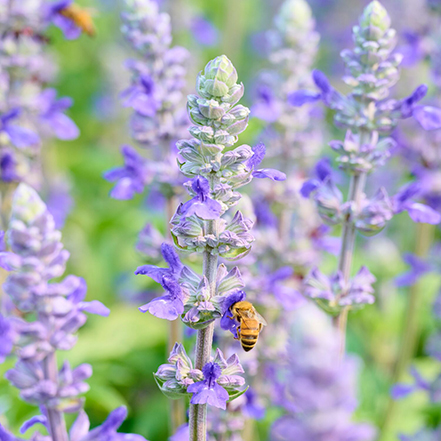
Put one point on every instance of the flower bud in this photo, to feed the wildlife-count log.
(375, 16)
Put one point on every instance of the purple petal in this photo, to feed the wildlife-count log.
(171, 257)
(95, 307)
(323, 169)
(153, 272)
(401, 390)
(308, 187)
(70, 30)
(209, 209)
(321, 81)
(423, 214)
(63, 127)
(80, 427)
(274, 175)
(429, 117)
(22, 137)
(204, 31)
(164, 307)
(38, 419)
(201, 187)
(259, 151)
(217, 396)
(301, 97)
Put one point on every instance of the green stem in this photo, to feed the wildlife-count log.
(424, 239)
(204, 343)
(356, 188)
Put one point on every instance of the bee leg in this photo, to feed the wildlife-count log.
(237, 333)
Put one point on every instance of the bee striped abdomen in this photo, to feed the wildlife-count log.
(249, 333)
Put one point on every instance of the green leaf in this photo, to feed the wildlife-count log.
(176, 242)
(173, 395)
(236, 253)
(236, 394)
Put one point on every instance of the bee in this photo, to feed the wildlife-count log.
(250, 324)
(80, 17)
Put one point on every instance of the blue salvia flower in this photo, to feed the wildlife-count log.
(366, 112)
(202, 224)
(156, 97)
(28, 111)
(37, 256)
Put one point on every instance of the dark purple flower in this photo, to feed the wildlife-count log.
(202, 205)
(8, 167)
(428, 117)
(322, 171)
(52, 115)
(132, 177)
(204, 31)
(208, 391)
(141, 97)
(407, 105)
(227, 322)
(169, 306)
(259, 153)
(19, 136)
(418, 268)
(327, 93)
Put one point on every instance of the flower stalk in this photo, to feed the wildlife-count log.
(56, 422)
(368, 114)
(203, 225)
(37, 257)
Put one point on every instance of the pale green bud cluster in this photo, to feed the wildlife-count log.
(218, 121)
(372, 67)
(214, 109)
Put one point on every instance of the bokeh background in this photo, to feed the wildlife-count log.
(100, 232)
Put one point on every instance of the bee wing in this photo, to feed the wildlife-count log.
(261, 319)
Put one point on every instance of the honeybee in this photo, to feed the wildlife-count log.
(80, 17)
(250, 324)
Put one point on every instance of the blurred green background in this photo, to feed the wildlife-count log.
(100, 233)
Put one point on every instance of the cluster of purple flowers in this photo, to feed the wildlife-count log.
(29, 112)
(316, 390)
(366, 112)
(203, 225)
(157, 99)
(43, 318)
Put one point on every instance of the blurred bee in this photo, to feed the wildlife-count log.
(81, 18)
(250, 324)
